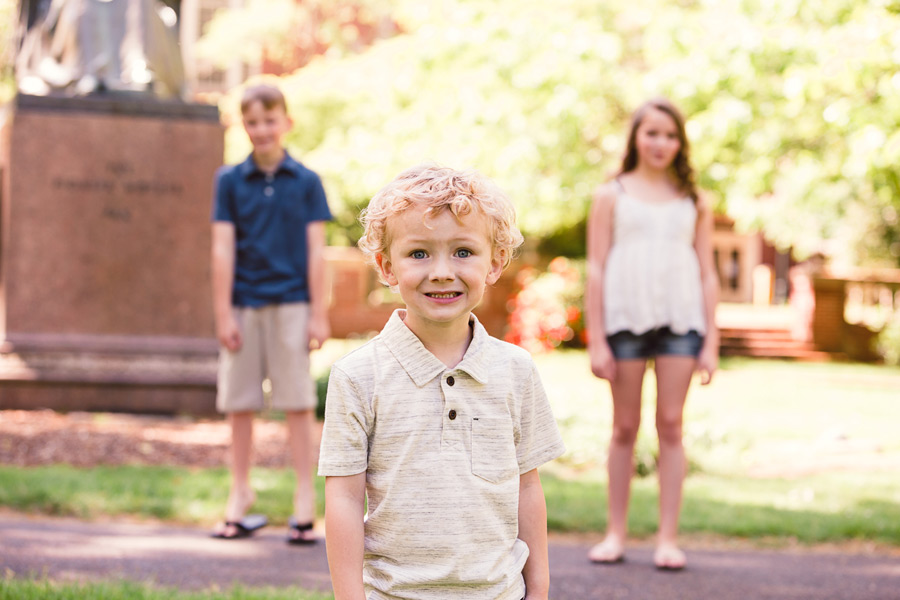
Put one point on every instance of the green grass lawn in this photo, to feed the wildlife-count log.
(779, 450)
(21, 589)
(177, 494)
(754, 416)
(832, 508)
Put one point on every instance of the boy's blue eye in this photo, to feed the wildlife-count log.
(463, 253)
(418, 254)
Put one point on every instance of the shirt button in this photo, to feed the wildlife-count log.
(450, 380)
(269, 190)
(452, 414)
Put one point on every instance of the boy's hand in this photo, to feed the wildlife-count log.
(229, 334)
(319, 330)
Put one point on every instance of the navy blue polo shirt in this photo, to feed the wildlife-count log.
(270, 213)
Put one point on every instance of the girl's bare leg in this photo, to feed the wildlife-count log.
(673, 377)
(626, 393)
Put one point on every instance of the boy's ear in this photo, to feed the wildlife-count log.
(497, 262)
(386, 268)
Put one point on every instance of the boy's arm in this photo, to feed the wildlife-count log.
(344, 508)
(319, 328)
(533, 531)
(223, 257)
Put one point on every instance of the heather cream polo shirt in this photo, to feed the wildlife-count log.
(442, 450)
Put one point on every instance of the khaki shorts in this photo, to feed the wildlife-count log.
(275, 346)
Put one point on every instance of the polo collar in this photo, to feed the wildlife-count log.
(423, 366)
(248, 168)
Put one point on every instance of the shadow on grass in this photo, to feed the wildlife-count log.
(581, 507)
(752, 509)
(176, 494)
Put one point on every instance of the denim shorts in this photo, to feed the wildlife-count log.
(656, 342)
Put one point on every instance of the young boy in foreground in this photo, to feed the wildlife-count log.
(441, 426)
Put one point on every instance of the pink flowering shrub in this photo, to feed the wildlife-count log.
(547, 312)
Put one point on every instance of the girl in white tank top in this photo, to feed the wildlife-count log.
(652, 291)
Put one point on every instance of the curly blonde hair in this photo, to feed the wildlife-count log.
(439, 188)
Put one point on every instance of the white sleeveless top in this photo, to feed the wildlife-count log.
(652, 275)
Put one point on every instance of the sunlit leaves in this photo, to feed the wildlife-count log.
(288, 34)
(794, 107)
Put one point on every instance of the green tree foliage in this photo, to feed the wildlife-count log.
(793, 104)
(796, 122)
(8, 24)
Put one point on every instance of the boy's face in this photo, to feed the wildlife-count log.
(265, 127)
(440, 269)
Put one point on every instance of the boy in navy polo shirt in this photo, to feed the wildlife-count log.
(269, 301)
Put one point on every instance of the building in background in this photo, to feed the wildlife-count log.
(203, 77)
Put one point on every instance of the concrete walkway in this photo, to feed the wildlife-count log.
(183, 557)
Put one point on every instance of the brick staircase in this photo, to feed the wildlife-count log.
(764, 332)
(769, 343)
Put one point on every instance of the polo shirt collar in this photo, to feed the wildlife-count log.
(423, 366)
(248, 168)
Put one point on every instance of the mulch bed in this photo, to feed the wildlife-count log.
(44, 437)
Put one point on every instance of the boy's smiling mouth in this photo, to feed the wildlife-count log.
(443, 295)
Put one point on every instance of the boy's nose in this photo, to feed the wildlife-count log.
(441, 269)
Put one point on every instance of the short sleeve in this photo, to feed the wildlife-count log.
(345, 434)
(223, 197)
(539, 440)
(317, 203)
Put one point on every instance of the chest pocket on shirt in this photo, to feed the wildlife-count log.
(493, 449)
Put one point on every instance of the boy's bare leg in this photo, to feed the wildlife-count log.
(626, 392)
(241, 496)
(673, 375)
(300, 427)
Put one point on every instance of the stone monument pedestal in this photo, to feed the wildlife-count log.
(105, 300)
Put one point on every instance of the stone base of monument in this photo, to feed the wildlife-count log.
(118, 374)
(105, 299)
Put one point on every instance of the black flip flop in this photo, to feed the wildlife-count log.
(300, 528)
(243, 528)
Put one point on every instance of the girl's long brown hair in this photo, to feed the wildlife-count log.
(681, 165)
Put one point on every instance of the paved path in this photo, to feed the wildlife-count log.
(71, 550)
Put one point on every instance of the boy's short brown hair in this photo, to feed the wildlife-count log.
(269, 95)
(441, 188)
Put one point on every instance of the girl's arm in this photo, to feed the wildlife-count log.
(319, 327)
(708, 360)
(599, 240)
(344, 508)
(533, 531)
